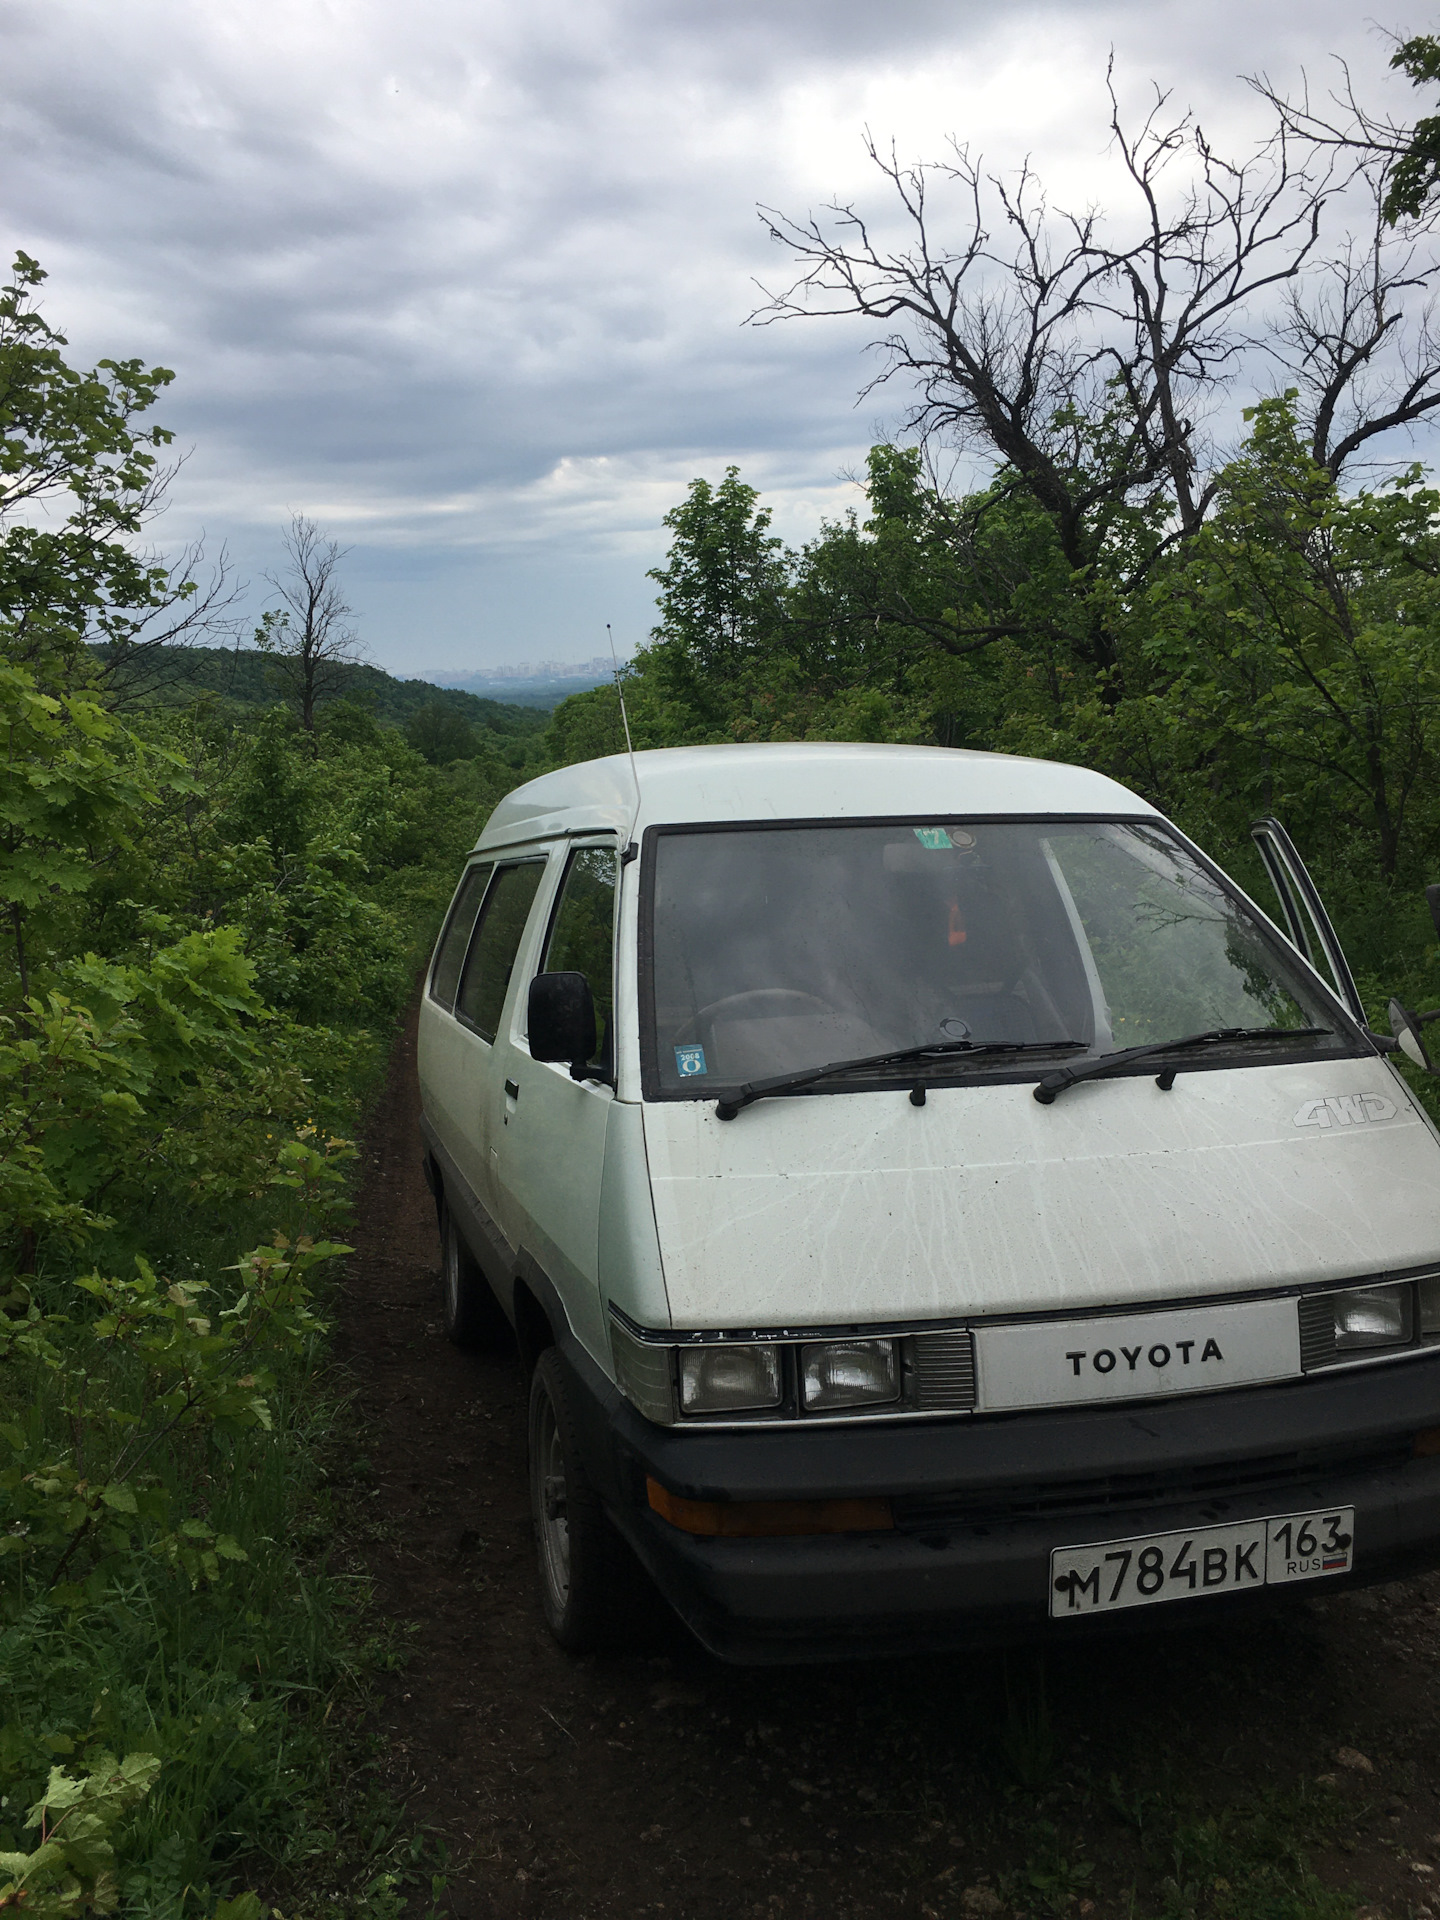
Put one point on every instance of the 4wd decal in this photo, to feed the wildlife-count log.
(1346, 1110)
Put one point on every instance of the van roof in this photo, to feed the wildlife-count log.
(800, 780)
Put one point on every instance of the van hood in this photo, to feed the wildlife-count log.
(853, 1207)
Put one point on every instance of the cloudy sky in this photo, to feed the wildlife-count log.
(466, 281)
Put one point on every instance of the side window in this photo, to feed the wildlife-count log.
(582, 934)
(496, 942)
(450, 954)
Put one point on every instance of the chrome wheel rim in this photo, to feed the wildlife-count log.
(550, 1492)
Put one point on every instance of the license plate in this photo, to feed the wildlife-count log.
(1193, 1561)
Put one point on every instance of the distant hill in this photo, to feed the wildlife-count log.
(175, 676)
(543, 690)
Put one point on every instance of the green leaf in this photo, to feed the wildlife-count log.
(244, 1906)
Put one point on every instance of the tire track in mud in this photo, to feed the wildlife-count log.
(672, 1785)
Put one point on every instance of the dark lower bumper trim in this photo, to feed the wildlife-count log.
(822, 1599)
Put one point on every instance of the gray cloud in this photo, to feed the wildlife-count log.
(466, 281)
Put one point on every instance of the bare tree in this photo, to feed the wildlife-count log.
(308, 637)
(1359, 342)
(139, 653)
(1408, 157)
(1089, 365)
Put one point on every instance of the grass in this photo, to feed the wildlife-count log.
(1249, 1861)
(1146, 1837)
(1246, 1859)
(228, 1684)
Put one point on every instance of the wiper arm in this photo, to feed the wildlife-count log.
(730, 1104)
(1063, 1077)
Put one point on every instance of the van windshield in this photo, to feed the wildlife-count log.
(777, 949)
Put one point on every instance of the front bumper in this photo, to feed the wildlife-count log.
(981, 1502)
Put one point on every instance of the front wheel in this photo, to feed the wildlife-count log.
(472, 1314)
(592, 1589)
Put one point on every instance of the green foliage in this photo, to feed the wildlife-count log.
(1049, 1882)
(721, 597)
(72, 779)
(1249, 1862)
(1280, 657)
(1296, 648)
(1417, 172)
(722, 588)
(439, 734)
(97, 1096)
(70, 444)
(216, 925)
(72, 1870)
(109, 1392)
(208, 922)
(587, 725)
(66, 431)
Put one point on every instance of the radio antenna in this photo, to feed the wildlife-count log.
(620, 691)
(624, 717)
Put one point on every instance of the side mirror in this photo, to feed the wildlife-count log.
(1406, 1026)
(562, 1020)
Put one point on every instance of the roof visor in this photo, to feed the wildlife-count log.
(802, 780)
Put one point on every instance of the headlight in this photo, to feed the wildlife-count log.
(1371, 1317)
(1429, 1300)
(729, 1379)
(848, 1373)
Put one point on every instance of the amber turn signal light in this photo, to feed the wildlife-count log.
(754, 1519)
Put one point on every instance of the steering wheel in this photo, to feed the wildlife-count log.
(760, 1001)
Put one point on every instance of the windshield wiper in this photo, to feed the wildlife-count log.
(730, 1104)
(1063, 1077)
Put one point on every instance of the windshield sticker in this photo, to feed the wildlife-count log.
(690, 1060)
(936, 838)
(960, 838)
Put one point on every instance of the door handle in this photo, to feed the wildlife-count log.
(512, 1088)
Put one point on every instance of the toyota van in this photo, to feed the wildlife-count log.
(932, 1202)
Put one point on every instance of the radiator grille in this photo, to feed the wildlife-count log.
(1317, 1332)
(1109, 1493)
(944, 1371)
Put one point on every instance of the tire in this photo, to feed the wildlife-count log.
(594, 1593)
(472, 1314)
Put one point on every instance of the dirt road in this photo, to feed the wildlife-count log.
(1174, 1773)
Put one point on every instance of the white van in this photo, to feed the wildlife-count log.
(933, 1203)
